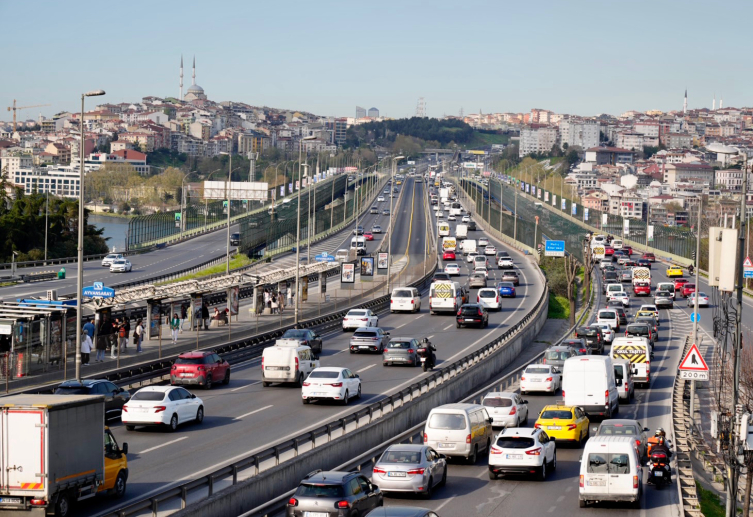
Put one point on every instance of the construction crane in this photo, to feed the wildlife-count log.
(14, 108)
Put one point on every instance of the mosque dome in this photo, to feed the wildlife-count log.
(195, 88)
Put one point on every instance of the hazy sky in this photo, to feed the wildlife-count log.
(327, 56)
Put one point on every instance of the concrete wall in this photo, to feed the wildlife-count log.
(257, 490)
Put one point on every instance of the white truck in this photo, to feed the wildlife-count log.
(598, 253)
(641, 274)
(55, 452)
(449, 244)
(444, 194)
(461, 231)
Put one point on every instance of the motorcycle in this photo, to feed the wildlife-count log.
(660, 474)
(426, 355)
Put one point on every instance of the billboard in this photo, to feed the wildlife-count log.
(256, 191)
(348, 274)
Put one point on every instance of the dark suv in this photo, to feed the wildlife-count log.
(115, 397)
(235, 239)
(594, 338)
(472, 314)
(334, 494)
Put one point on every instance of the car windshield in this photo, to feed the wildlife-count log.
(487, 294)
(411, 457)
(294, 333)
(469, 310)
(637, 329)
(515, 442)
(324, 491)
(119, 262)
(149, 396)
(324, 375)
(607, 315)
(399, 344)
(539, 370)
(357, 313)
(557, 356)
(447, 421)
(562, 414)
(72, 390)
(497, 402)
(364, 333)
(189, 360)
(617, 430)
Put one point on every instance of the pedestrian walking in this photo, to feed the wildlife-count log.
(86, 347)
(122, 336)
(274, 304)
(89, 328)
(205, 315)
(267, 299)
(108, 332)
(127, 323)
(175, 327)
(101, 347)
(138, 335)
(183, 314)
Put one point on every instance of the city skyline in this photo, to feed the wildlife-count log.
(513, 62)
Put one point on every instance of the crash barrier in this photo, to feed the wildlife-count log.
(344, 438)
(39, 277)
(66, 260)
(681, 428)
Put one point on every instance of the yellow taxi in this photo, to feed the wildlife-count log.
(564, 423)
(674, 271)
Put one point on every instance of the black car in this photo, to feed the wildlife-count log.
(235, 239)
(115, 397)
(472, 314)
(594, 338)
(358, 230)
(305, 337)
(621, 313)
(610, 277)
(440, 276)
(577, 344)
(643, 263)
(334, 494)
(472, 225)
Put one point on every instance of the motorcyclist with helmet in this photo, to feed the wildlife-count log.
(431, 357)
(658, 448)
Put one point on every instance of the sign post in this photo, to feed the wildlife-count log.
(554, 249)
(693, 366)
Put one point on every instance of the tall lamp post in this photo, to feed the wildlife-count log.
(80, 279)
(389, 242)
(182, 204)
(298, 228)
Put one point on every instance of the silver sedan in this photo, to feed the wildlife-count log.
(410, 468)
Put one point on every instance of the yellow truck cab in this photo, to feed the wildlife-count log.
(116, 466)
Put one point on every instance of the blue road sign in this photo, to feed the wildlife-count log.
(747, 273)
(694, 316)
(98, 290)
(324, 257)
(554, 249)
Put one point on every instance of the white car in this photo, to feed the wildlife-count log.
(505, 263)
(120, 266)
(609, 317)
(540, 377)
(703, 300)
(440, 214)
(357, 318)
(490, 250)
(606, 331)
(452, 269)
(451, 218)
(651, 308)
(466, 219)
(380, 198)
(112, 257)
(481, 269)
(622, 297)
(483, 241)
(506, 409)
(488, 297)
(333, 383)
(162, 406)
(376, 229)
(469, 257)
(522, 450)
(435, 207)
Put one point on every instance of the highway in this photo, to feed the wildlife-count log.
(244, 417)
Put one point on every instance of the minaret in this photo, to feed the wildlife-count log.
(181, 78)
(685, 103)
(721, 102)
(713, 103)
(193, 75)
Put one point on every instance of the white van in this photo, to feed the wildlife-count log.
(608, 317)
(359, 244)
(617, 244)
(666, 286)
(637, 350)
(469, 245)
(444, 229)
(287, 364)
(342, 255)
(405, 299)
(614, 288)
(610, 470)
(623, 377)
(462, 430)
(445, 296)
(588, 382)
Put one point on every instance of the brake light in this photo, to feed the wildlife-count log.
(416, 471)
(342, 504)
(159, 409)
(125, 409)
(337, 384)
(496, 451)
(637, 443)
(544, 361)
(584, 350)
(410, 350)
(478, 298)
(377, 470)
(571, 427)
(458, 313)
(426, 438)
(292, 501)
(480, 313)
(635, 481)
(537, 426)
(412, 301)
(174, 367)
(563, 393)
(513, 410)
(38, 502)
(581, 481)
(307, 384)
(296, 363)
(262, 363)
(392, 301)
(522, 378)
(606, 394)
(364, 319)
(468, 439)
(548, 379)
(535, 452)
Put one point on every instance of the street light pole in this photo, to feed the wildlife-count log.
(389, 242)
(46, 223)
(227, 195)
(298, 229)
(80, 279)
(182, 204)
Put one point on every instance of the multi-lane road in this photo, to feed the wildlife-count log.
(245, 417)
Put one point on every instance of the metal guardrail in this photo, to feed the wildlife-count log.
(361, 417)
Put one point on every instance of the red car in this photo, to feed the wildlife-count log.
(200, 368)
(649, 256)
(448, 255)
(627, 249)
(369, 236)
(608, 251)
(642, 289)
(679, 282)
(687, 290)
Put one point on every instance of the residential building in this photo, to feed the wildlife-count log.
(596, 200)
(60, 152)
(629, 140)
(59, 181)
(339, 128)
(731, 179)
(632, 206)
(537, 140)
(10, 164)
(609, 155)
(582, 134)
(699, 173)
(253, 142)
(679, 141)
(145, 140)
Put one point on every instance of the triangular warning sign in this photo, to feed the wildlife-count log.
(747, 262)
(694, 361)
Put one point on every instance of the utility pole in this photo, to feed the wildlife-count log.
(229, 180)
(515, 225)
(46, 223)
(697, 291)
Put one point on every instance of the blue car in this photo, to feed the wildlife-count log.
(506, 289)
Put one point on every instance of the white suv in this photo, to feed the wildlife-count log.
(522, 450)
(112, 257)
(505, 263)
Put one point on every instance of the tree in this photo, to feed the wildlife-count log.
(571, 271)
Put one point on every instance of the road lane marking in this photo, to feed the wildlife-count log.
(245, 386)
(451, 498)
(163, 445)
(252, 412)
(447, 327)
(551, 509)
(366, 368)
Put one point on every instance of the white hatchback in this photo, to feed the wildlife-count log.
(334, 383)
(488, 298)
(380, 198)
(506, 409)
(483, 241)
(540, 377)
(357, 318)
(167, 406)
(466, 219)
(490, 250)
(522, 450)
(622, 297)
(469, 257)
(440, 214)
(452, 269)
(480, 268)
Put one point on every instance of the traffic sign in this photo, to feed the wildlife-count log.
(693, 361)
(747, 262)
(694, 376)
(324, 257)
(554, 249)
(98, 290)
(694, 316)
(747, 273)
